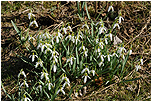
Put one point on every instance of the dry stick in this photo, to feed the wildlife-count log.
(139, 33)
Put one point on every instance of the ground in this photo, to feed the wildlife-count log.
(135, 31)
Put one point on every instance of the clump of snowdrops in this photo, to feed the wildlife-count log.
(62, 57)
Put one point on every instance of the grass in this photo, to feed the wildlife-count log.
(136, 16)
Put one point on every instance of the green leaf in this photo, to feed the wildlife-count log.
(15, 27)
(5, 91)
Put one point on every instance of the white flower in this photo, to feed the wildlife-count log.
(48, 49)
(141, 60)
(25, 99)
(120, 49)
(82, 47)
(30, 37)
(120, 18)
(64, 29)
(43, 74)
(130, 52)
(101, 44)
(85, 70)
(106, 42)
(111, 8)
(114, 54)
(39, 87)
(101, 63)
(30, 15)
(54, 66)
(85, 77)
(93, 72)
(49, 85)
(71, 59)
(58, 35)
(61, 89)
(40, 62)
(54, 55)
(76, 39)
(34, 22)
(108, 57)
(24, 83)
(22, 73)
(138, 67)
(33, 57)
(85, 52)
(116, 25)
(76, 94)
(101, 56)
(109, 35)
(65, 83)
(102, 29)
(69, 28)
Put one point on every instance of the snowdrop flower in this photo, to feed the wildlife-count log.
(85, 70)
(49, 85)
(82, 47)
(101, 63)
(101, 56)
(61, 90)
(33, 56)
(24, 83)
(120, 49)
(76, 94)
(111, 8)
(101, 22)
(116, 25)
(30, 15)
(97, 40)
(30, 37)
(138, 67)
(102, 29)
(66, 83)
(76, 39)
(85, 77)
(141, 60)
(54, 66)
(106, 40)
(109, 35)
(97, 50)
(108, 57)
(71, 59)
(120, 18)
(40, 62)
(48, 49)
(69, 36)
(39, 87)
(58, 35)
(93, 72)
(114, 54)
(64, 29)
(64, 77)
(85, 52)
(101, 44)
(54, 55)
(69, 28)
(33, 22)
(130, 52)
(43, 74)
(25, 98)
(22, 73)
